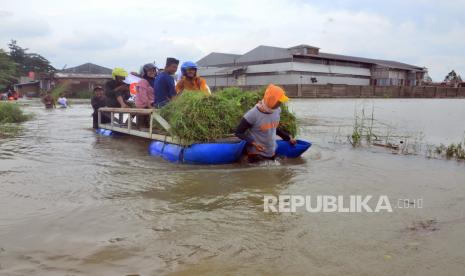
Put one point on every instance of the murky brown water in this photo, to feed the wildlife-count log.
(74, 203)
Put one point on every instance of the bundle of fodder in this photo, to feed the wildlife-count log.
(196, 117)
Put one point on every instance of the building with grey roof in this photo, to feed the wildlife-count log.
(304, 64)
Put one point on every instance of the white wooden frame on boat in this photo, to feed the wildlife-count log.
(128, 129)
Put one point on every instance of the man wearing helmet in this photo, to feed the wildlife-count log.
(190, 81)
(116, 91)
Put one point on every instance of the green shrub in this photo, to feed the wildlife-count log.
(12, 113)
(58, 90)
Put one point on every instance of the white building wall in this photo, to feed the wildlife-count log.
(334, 69)
(284, 79)
(280, 76)
(308, 67)
(304, 79)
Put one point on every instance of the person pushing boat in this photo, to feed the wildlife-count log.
(49, 101)
(98, 101)
(62, 101)
(260, 125)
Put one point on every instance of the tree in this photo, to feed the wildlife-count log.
(453, 78)
(28, 61)
(8, 70)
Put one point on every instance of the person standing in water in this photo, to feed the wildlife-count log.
(49, 101)
(98, 101)
(62, 101)
(260, 125)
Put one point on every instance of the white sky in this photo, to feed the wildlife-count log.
(130, 33)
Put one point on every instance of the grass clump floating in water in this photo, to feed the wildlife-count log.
(195, 117)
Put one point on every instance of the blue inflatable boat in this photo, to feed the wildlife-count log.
(212, 153)
(218, 153)
(285, 149)
(204, 153)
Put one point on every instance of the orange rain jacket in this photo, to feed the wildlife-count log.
(194, 84)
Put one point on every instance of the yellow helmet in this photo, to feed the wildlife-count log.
(120, 72)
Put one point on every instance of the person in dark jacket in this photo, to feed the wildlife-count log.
(164, 86)
(260, 125)
(98, 101)
(116, 91)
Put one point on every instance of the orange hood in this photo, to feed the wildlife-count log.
(273, 95)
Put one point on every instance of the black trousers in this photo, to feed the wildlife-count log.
(104, 119)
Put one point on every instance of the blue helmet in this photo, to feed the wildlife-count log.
(186, 65)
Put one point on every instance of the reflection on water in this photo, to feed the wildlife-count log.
(77, 203)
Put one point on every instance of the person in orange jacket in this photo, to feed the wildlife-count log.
(260, 125)
(190, 81)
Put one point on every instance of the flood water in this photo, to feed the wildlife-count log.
(75, 203)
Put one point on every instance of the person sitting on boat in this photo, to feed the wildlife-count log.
(98, 101)
(49, 101)
(62, 101)
(260, 125)
(190, 81)
(116, 91)
(144, 96)
(164, 84)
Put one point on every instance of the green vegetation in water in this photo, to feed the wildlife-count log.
(10, 115)
(9, 130)
(451, 151)
(62, 88)
(195, 117)
(56, 92)
(363, 129)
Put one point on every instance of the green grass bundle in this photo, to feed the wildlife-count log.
(12, 113)
(195, 117)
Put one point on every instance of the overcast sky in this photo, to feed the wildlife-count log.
(130, 33)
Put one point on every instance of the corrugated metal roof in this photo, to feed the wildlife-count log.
(82, 76)
(264, 53)
(303, 46)
(87, 68)
(214, 58)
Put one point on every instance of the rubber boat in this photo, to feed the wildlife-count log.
(224, 152)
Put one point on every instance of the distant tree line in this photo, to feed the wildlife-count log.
(18, 62)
